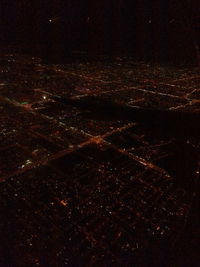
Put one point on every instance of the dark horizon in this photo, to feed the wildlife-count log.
(166, 31)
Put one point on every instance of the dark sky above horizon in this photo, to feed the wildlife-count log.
(110, 26)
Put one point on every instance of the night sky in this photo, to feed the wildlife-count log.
(164, 30)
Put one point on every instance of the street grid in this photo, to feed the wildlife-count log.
(82, 186)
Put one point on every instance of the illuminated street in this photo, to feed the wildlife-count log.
(99, 163)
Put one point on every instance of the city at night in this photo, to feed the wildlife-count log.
(99, 133)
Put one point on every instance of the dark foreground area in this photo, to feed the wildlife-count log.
(99, 163)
